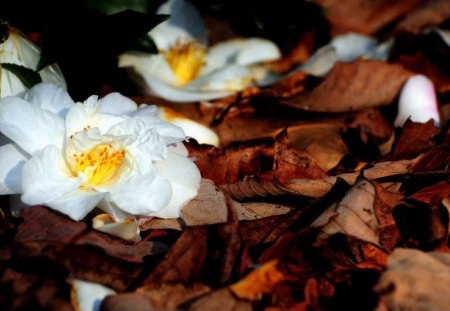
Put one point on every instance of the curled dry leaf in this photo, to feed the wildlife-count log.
(354, 86)
(432, 13)
(317, 188)
(415, 280)
(221, 299)
(366, 17)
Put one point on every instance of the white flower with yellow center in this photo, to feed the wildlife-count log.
(104, 152)
(21, 51)
(186, 70)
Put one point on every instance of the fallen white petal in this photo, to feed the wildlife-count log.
(352, 45)
(201, 133)
(30, 127)
(88, 296)
(227, 78)
(13, 160)
(417, 101)
(127, 229)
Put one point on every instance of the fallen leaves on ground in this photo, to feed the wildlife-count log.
(312, 201)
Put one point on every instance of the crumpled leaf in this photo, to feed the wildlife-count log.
(67, 243)
(353, 86)
(415, 280)
(432, 13)
(366, 17)
(360, 214)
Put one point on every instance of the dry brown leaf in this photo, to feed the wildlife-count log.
(415, 138)
(258, 282)
(155, 299)
(68, 243)
(317, 188)
(356, 215)
(354, 86)
(221, 299)
(415, 280)
(420, 63)
(432, 13)
(185, 259)
(290, 163)
(228, 164)
(321, 140)
(435, 193)
(365, 16)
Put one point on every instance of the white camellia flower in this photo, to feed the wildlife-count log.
(186, 70)
(21, 51)
(104, 152)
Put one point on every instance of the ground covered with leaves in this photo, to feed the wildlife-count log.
(313, 201)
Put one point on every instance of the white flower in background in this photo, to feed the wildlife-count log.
(21, 51)
(344, 48)
(104, 152)
(187, 70)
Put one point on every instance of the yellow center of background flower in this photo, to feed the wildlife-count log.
(186, 59)
(100, 164)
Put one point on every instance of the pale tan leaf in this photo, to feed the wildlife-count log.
(415, 281)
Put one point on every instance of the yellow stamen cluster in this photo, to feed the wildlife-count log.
(100, 164)
(186, 59)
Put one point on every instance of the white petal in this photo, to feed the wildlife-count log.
(142, 194)
(53, 74)
(201, 133)
(116, 103)
(241, 52)
(127, 229)
(13, 160)
(181, 94)
(148, 66)
(227, 78)
(185, 178)
(321, 62)
(444, 34)
(178, 148)
(417, 101)
(81, 116)
(49, 97)
(147, 145)
(77, 203)
(184, 22)
(352, 45)
(88, 296)
(45, 177)
(29, 126)
(151, 117)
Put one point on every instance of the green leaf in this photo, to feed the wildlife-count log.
(28, 77)
(145, 44)
(4, 31)
(109, 7)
